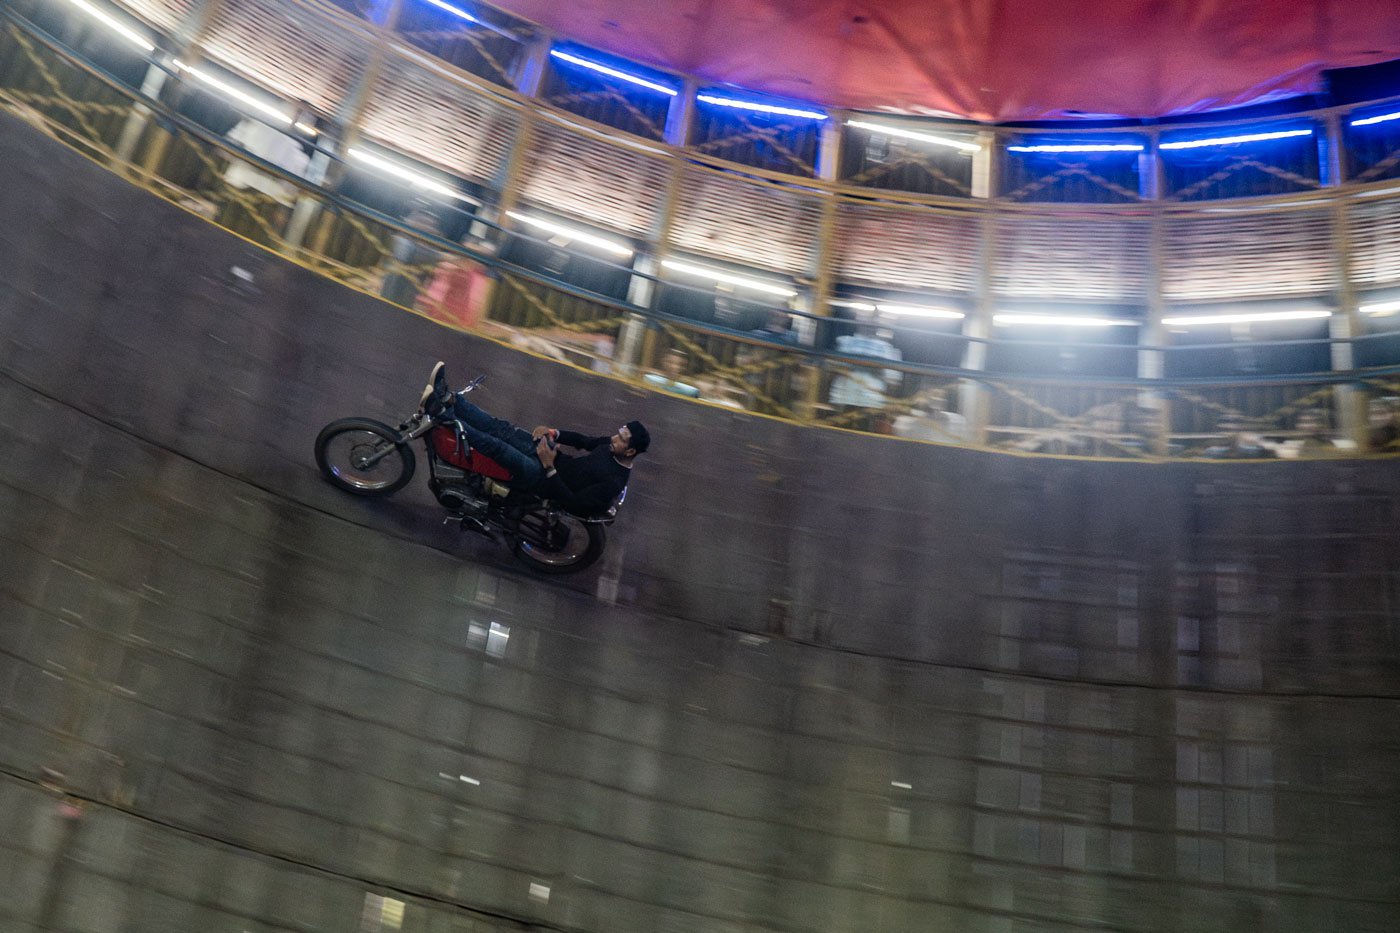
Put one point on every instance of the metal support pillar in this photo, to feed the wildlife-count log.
(636, 343)
(641, 291)
(829, 146)
(188, 39)
(1349, 400)
(1150, 169)
(349, 116)
(1152, 337)
(140, 115)
(681, 114)
(982, 165)
(820, 270)
(973, 401)
(530, 70)
(308, 208)
(639, 336)
(511, 176)
(329, 163)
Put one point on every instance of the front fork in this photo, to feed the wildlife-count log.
(413, 429)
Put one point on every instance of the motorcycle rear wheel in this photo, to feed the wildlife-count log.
(343, 446)
(579, 548)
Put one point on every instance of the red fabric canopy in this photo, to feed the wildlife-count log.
(994, 60)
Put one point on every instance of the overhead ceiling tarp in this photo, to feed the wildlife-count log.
(993, 60)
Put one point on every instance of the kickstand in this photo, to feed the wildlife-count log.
(471, 524)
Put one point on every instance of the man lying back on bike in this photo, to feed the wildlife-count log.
(585, 485)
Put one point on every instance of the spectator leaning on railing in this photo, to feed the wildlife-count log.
(282, 149)
(865, 387)
(1383, 423)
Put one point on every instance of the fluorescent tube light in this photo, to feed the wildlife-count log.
(1230, 140)
(1088, 147)
(1244, 317)
(1381, 309)
(728, 278)
(460, 14)
(1383, 118)
(116, 25)
(921, 311)
(236, 93)
(612, 72)
(759, 108)
(901, 133)
(1007, 318)
(390, 167)
(573, 233)
(855, 305)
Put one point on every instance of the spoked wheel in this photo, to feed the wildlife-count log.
(556, 542)
(363, 457)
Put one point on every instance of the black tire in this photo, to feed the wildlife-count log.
(582, 548)
(341, 442)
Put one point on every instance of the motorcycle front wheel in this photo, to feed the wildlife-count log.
(558, 543)
(363, 457)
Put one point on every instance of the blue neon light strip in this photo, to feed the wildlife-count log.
(1383, 118)
(759, 108)
(1104, 147)
(462, 14)
(1231, 140)
(610, 72)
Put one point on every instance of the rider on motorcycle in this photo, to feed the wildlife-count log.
(584, 485)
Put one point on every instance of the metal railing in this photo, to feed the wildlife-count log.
(798, 369)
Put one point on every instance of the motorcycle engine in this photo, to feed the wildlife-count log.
(457, 497)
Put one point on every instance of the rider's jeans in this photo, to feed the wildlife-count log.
(511, 447)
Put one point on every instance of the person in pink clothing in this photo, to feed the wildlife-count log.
(460, 290)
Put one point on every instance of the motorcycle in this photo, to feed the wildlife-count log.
(369, 458)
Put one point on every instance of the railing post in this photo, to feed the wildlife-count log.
(983, 166)
(349, 118)
(188, 39)
(511, 176)
(137, 120)
(637, 339)
(641, 291)
(1349, 400)
(1152, 361)
(681, 114)
(350, 115)
(821, 270)
(1150, 178)
(973, 400)
(829, 146)
(529, 74)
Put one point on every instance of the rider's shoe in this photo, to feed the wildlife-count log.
(440, 386)
(435, 393)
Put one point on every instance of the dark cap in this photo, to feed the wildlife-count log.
(640, 438)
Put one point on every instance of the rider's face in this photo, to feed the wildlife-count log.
(621, 442)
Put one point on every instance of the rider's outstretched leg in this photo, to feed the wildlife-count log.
(499, 428)
(525, 468)
(510, 446)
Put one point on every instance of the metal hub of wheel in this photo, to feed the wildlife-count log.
(563, 543)
(351, 457)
